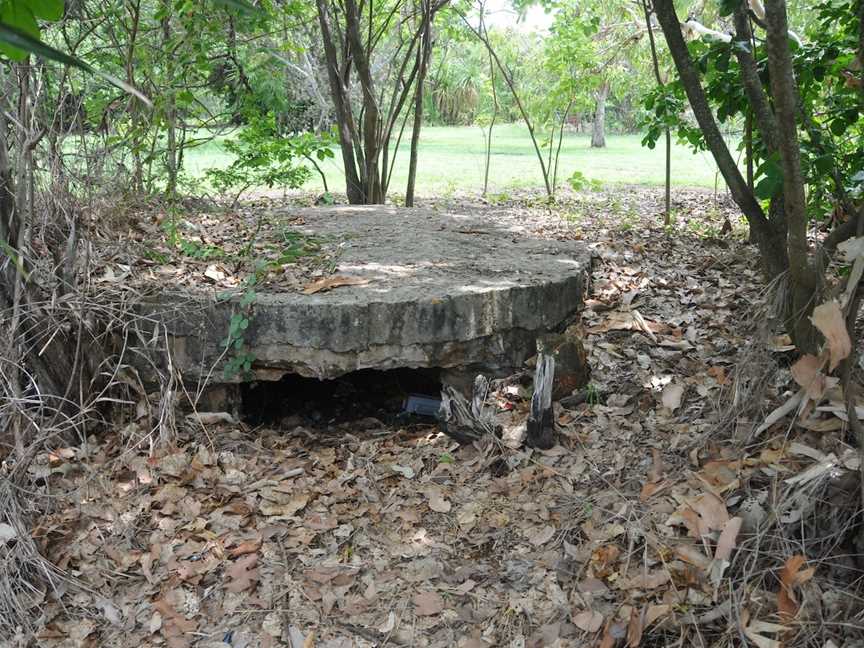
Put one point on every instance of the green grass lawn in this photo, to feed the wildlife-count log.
(451, 159)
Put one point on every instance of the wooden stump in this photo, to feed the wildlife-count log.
(541, 420)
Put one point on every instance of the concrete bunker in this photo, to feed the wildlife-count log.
(411, 289)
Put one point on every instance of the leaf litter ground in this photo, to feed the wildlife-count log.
(660, 519)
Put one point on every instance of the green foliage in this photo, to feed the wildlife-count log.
(264, 158)
(294, 246)
(23, 16)
(831, 118)
(578, 181)
(240, 358)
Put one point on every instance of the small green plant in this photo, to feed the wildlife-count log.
(592, 396)
(240, 358)
(671, 219)
(703, 229)
(446, 458)
(200, 251)
(188, 247)
(295, 245)
(578, 181)
(500, 197)
(629, 220)
(264, 157)
(156, 256)
(450, 190)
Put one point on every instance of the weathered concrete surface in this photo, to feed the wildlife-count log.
(445, 290)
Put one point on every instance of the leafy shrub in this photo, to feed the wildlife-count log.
(264, 158)
(578, 181)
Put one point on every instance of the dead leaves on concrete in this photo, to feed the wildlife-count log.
(331, 282)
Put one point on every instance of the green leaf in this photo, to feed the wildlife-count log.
(17, 14)
(46, 9)
(18, 22)
(767, 187)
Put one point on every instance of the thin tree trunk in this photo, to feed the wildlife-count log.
(371, 114)
(598, 129)
(522, 111)
(341, 107)
(667, 215)
(803, 273)
(488, 161)
(762, 112)
(771, 240)
(558, 148)
(748, 148)
(861, 64)
(424, 51)
(170, 108)
(8, 218)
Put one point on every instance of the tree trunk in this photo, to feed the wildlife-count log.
(487, 163)
(341, 106)
(371, 112)
(803, 273)
(771, 240)
(8, 227)
(598, 129)
(511, 85)
(667, 218)
(424, 50)
(170, 108)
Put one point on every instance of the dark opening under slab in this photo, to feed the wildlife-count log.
(296, 400)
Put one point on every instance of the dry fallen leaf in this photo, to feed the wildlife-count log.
(629, 321)
(214, 272)
(755, 632)
(728, 538)
(242, 575)
(692, 555)
(428, 603)
(725, 545)
(646, 581)
(807, 372)
(791, 576)
(175, 627)
(712, 513)
(828, 318)
(672, 395)
(437, 502)
(650, 489)
(634, 629)
(334, 281)
(246, 547)
(613, 632)
(656, 472)
(655, 612)
(540, 535)
(588, 620)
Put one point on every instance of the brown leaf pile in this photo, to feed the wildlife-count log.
(636, 530)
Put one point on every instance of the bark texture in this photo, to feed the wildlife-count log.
(803, 274)
(770, 238)
(598, 129)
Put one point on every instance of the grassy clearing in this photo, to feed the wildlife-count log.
(451, 160)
